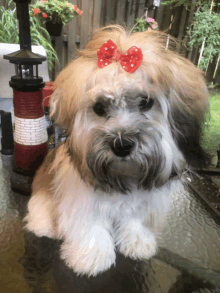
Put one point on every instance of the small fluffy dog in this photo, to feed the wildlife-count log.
(133, 111)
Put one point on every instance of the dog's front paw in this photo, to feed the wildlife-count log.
(92, 255)
(39, 219)
(136, 241)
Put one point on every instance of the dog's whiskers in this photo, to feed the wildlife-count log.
(119, 135)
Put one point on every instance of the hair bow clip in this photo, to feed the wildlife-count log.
(130, 61)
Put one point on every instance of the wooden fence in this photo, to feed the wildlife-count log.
(97, 13)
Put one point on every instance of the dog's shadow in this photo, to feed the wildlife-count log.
(44, 270)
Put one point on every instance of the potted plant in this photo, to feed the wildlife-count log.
(143, 24)
(55, 14)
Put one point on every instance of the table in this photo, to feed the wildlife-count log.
(188, 259)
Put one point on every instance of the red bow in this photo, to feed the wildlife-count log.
(129, 62)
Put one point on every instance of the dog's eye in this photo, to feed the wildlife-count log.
(146, 104)
(99, 109)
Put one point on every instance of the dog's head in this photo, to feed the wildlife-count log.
(131, 128)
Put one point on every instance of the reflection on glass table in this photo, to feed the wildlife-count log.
(188, 259)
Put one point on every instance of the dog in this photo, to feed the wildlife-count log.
(133, 111)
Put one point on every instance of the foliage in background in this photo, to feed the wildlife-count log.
(187, 3)
(39, 35)
(176, 2)
(55, 11)
(206, 28)
(211, 131)
(143, 24)
(204, 31)
(8, 26)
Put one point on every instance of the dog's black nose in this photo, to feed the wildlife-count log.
(122, 147)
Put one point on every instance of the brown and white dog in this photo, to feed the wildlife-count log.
(133, 111)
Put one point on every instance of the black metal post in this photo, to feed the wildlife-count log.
(23, 23)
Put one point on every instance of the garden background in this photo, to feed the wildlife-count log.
(197, 21)
(194, 23)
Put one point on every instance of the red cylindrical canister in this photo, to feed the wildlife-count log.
(30, 134)
(47, 92)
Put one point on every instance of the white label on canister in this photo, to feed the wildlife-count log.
(30, 131)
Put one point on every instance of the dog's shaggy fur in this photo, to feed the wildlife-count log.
(87, 194)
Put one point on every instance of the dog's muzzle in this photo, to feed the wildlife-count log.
(122, 147)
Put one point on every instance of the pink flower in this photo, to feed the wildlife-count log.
(149, 28)
(150, 19)
(79, 11)
(36, 11)
(153, 26)
(45, 15)
(44, 1)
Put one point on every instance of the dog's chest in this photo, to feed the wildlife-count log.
(118, 205)
(138, 204)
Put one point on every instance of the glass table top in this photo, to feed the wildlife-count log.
(188, 259)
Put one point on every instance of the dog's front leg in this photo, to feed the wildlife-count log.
(91, 251)
(134, 239)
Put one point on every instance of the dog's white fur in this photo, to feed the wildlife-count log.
(93, 212)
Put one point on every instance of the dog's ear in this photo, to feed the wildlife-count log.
(69, 91)
(189, 104)
(186, 90)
